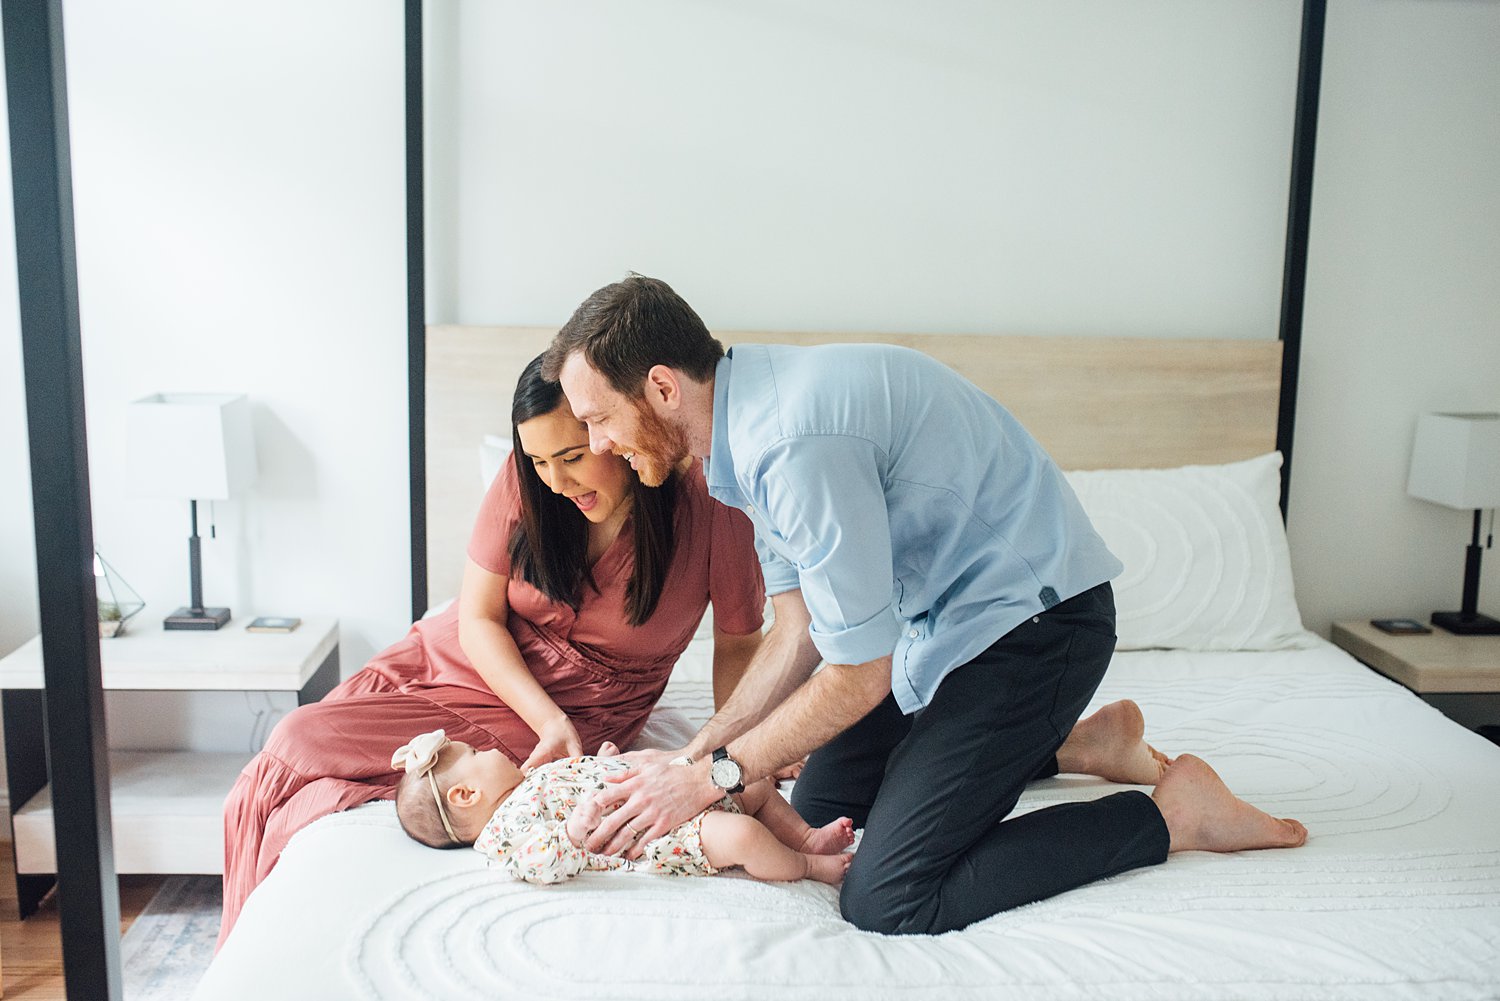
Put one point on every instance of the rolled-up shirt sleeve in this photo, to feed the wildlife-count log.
(823, 499)
(780, 576)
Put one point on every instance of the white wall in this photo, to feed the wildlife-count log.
(1082, 166)
(1085, 166)
(239, 198)
(1403, 302)
(18, 597)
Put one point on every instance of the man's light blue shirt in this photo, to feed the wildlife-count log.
(915, 513)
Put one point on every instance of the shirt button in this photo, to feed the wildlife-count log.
(1036, 618)
(913, 634)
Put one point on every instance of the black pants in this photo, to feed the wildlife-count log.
(932, 789)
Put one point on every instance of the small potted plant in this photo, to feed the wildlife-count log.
(111, 620)
(117, 599)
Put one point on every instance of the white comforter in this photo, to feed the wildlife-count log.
(1396, 895)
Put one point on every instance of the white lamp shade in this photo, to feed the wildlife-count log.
(1455, 460)
(193, 446)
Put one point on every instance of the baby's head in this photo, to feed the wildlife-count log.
(450, 790)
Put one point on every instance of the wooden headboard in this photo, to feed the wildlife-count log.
(1094, 403)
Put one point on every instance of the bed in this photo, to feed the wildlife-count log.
(1396, 895)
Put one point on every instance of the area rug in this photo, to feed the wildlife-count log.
(167, 948)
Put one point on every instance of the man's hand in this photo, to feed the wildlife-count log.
(648, 801)
(558, 738)
(636, 759)
(789, 773)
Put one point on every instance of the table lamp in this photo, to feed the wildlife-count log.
(191, 446)
(1455, 462)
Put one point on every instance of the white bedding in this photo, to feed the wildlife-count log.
(1396, 895)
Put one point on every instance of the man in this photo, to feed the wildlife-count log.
(921, 543)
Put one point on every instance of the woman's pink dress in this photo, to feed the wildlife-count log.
(604, 673)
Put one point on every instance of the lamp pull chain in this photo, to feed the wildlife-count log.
(1489, 542)
(213, 526)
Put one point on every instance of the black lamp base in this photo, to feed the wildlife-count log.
(203, 618)
(1477, 624)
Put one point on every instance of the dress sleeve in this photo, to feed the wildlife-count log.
(735, 585)
(499, 514)
(544, 855)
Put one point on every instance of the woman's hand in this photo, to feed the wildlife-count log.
(557, 738)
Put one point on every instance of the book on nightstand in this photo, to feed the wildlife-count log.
(272, 624)
(1400, 627)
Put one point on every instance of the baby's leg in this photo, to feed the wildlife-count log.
(731, 839)
(761, 801)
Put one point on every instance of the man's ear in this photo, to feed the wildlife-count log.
(663, 388)
(462, 795)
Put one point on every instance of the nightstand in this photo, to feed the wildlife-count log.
(166, 806)
(1439, 666)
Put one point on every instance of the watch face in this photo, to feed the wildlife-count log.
(725, 773)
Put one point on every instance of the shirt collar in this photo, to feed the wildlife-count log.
(719, 466)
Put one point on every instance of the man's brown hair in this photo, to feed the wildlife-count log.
(625, 328)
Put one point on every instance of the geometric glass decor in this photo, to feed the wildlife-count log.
(117, 599)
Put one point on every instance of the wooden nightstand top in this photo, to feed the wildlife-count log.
(1437, 661)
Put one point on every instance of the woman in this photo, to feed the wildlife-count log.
(581, 589)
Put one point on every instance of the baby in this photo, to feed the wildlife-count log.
(534, 826)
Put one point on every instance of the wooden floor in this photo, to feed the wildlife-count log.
(32, 948)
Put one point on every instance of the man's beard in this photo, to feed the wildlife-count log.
(659, 448)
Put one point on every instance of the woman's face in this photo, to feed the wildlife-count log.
(557, 444)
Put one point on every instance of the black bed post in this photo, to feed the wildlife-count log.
(416, 309)
(46, 268)
(1299, 209)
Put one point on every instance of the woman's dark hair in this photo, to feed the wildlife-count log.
(549, 548)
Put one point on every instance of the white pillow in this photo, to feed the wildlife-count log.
(494, 452)
(1205, 554)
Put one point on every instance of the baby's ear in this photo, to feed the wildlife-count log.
(462, 795)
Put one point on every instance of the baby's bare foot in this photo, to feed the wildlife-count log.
(828, 868)
(1203, 815)
(830, 839)
(1111, 744)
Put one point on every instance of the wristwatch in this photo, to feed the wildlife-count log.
(726, 772)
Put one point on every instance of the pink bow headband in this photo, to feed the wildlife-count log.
(420, 757)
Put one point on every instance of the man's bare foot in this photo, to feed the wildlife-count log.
(1203, 815)
(1112, 745)
(828, 868)
(830, 839)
